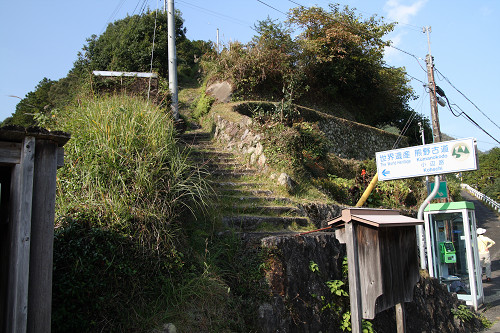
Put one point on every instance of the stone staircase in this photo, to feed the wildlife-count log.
(245, 202)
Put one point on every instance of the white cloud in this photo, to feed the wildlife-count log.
(402, 12)
(391, 53)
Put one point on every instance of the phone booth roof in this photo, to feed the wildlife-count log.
(434, 207)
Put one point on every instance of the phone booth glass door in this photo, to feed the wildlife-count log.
(452, 247)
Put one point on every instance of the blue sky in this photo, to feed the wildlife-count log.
(42, 38)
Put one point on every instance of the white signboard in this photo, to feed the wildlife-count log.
(433, 159)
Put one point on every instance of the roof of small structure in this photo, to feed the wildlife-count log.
(450, 206)
(14, 133)
(380, 218)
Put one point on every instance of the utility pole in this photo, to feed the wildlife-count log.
(172, 61)
(218, 41)
(436, 131)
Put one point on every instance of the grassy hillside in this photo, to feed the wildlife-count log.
(125, 198)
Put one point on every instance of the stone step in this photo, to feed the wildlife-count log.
(263, 210)
(228, 173)
(225, 162)
(255, 223)
(190, 137)
(229, 185)
(255, 199)
(241, 192)
(210, 154)
(200, 159)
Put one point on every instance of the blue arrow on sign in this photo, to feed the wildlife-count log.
(385, 172)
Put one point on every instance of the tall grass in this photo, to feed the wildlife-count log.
(123, 197)
(124, 170)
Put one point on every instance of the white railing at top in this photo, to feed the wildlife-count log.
(482, 197)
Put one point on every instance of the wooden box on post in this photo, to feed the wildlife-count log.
(382, 257)
(29, 159)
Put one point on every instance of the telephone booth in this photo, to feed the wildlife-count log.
(452, 256)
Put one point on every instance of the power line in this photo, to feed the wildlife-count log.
(451, 84)
(217, 14)
(466, 116)
(298, 4)
(113, 14)
(153, 47)
(268, 5)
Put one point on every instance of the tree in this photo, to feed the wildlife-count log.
(126, 45)
(37, 102)
(487, 178)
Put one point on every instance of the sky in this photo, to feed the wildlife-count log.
(42, 39)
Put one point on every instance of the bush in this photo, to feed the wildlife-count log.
(203, 106)
(124, 169)
(121, 196)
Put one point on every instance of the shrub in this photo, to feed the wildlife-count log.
(124, 169)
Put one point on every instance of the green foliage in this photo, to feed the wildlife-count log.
(336, 287)
(300, 148)
(487, 178)
(105, 281)
(336, 56)
(126, 46)
(313, 267)
(33, 106)
(465, 315)
(123, 168)
(203, 106)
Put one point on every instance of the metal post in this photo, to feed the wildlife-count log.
(172, 60)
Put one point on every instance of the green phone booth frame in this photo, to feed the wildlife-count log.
(456, 264)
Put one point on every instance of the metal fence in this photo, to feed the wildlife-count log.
(482, 197)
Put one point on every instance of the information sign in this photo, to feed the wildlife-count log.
(442, 190)
(432, 159)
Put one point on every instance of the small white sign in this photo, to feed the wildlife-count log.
(433, 159)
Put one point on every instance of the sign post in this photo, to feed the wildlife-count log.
(432, 159)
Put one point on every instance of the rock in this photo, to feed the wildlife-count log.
(222, 91)
(287, 181)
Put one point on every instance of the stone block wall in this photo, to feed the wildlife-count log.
(239, 138)
(347, 139)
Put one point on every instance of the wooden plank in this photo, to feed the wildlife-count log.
(18, 133)
(21, 194)
(42, 236)
(60, 157)
(400, 318)
(369, 258)
(10, 152)
(399, 266)
(354, 279)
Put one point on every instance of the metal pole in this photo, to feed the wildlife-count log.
(367, 192)
(420, 216)
(420, 229)
(172, 60)
(217, 40)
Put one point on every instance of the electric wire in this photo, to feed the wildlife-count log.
(298, 4)
(451, 84)
(466, 116)
(113, 14)
(268, 5)
(217, 14)
(153, 48)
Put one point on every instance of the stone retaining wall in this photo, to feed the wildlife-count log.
(239, 138)
(347, 139)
